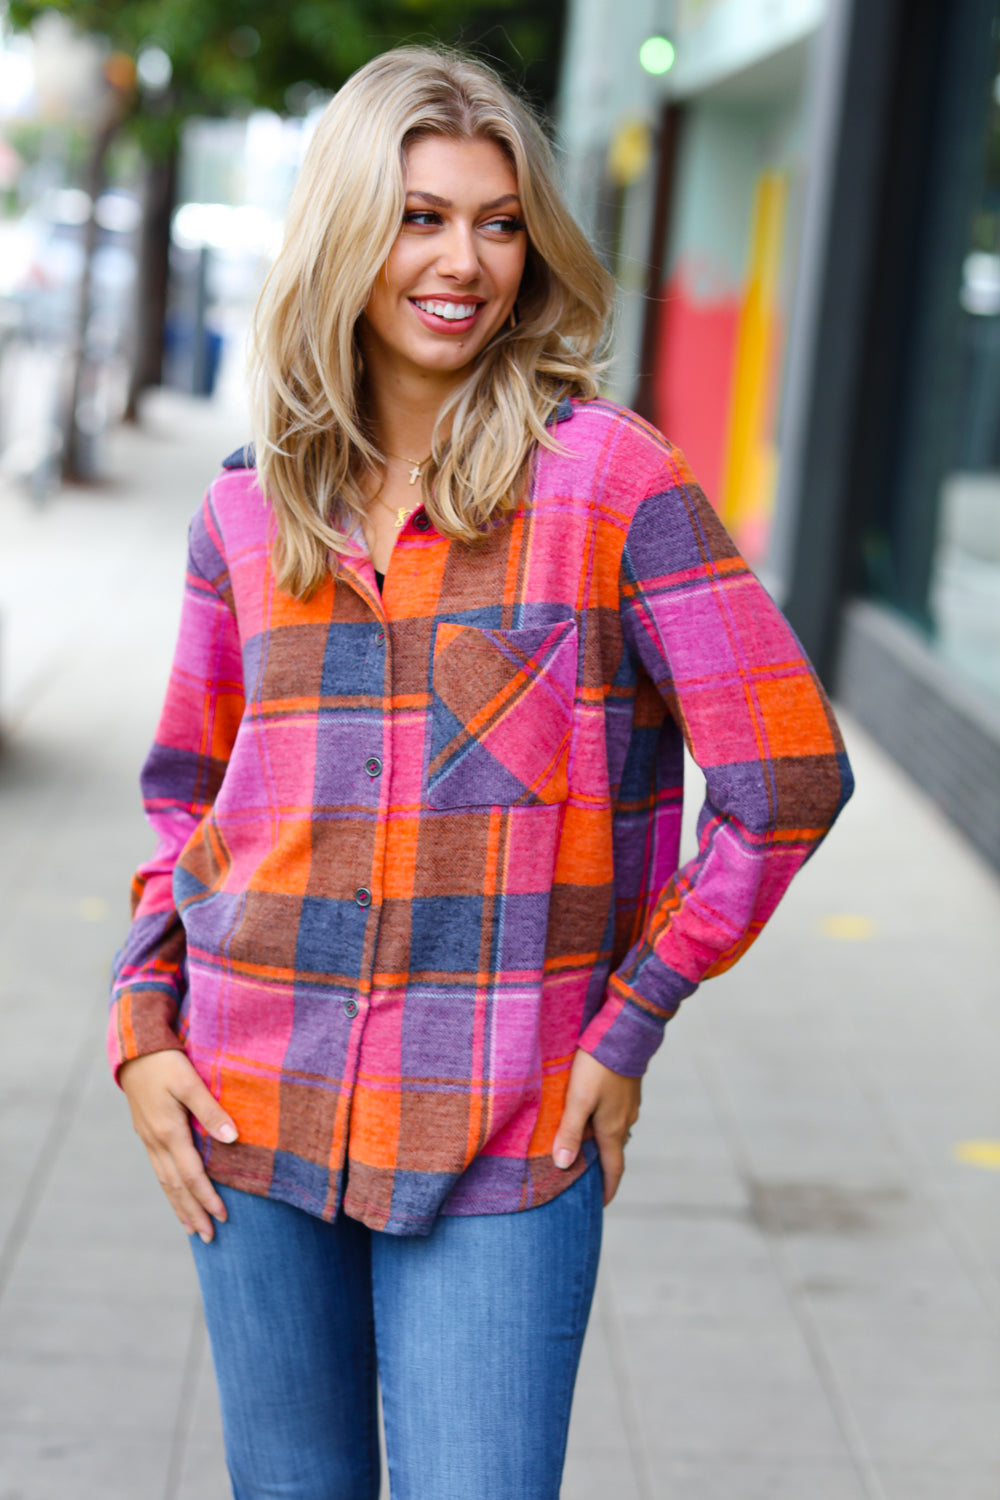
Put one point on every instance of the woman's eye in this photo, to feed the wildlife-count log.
(429, 218)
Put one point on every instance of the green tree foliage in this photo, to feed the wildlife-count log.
(229, 55)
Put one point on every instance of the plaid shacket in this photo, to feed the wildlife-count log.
(415, 848)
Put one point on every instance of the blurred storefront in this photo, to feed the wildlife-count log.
(803, 214)
(705, 238)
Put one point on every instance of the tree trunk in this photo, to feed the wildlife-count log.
(153, 279)
(75, 464)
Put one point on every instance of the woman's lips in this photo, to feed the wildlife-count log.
(442, 322)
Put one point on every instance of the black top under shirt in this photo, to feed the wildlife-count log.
(379, 579)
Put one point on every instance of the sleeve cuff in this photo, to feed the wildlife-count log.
(141, 1021)
(624, 1034)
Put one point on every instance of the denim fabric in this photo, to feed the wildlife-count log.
(475, 1331)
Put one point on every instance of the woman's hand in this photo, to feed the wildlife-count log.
(610, 1102)
(163, 1089)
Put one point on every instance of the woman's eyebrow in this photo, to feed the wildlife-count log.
(437, 202)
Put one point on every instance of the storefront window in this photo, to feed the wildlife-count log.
(964, 595)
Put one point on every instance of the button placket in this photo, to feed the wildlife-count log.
(373, 767)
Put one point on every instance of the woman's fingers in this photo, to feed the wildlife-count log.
(191, 1188)
(610, 1103)
(611, 1145)
(577, 1111)
(206, 1109)
(179, 1168)
(192, 1215)
(163, 1091)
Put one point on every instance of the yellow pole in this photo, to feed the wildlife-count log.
(750, 455)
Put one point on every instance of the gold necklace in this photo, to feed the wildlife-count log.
(402, 515)
(416, 464)
(400, 512)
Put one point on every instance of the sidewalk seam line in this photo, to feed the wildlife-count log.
(68, 1103)
(623, 1389)
(951, 1224)
(844, 1417)
(185, 1405)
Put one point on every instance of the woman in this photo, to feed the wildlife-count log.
(414, 925)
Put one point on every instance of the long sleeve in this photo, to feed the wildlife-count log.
(734, 678)
(180, 780)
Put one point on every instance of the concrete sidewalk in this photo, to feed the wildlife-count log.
(800, 1292)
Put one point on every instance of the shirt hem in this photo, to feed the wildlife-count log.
(480, 1202)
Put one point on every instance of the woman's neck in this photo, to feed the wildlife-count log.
(404, 416)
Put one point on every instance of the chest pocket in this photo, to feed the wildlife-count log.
(502, 715)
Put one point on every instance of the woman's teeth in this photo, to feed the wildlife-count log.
(452, 311)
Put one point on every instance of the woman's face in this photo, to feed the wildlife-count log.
(452, 276)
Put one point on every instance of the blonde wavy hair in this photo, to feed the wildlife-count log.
(313, 442)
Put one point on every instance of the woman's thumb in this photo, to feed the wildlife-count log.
(569, 1136)
(207, 1110)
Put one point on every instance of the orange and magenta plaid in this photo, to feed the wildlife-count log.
(415, 848)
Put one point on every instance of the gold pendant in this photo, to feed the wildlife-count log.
(401, 517)
(415, 473)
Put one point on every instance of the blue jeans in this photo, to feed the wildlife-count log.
(474, 1333)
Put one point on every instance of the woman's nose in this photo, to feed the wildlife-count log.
(459, 258)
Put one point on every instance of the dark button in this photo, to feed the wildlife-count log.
(350, 1009)
(373, 766)
(420, 522)
(363, 896)
(380, 638)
